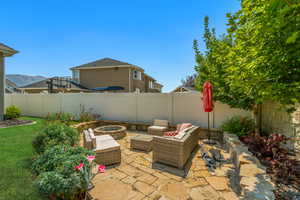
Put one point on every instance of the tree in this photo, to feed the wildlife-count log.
(258, 59)
(189, 81)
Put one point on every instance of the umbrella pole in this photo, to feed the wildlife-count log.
(208, 126)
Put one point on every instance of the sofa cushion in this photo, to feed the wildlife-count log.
(182, 133)
(183, 126)
(159, 128)
(106, 146)
(104, 137)
(170, 133)
(87, 136)
(158, 122)
(92, 136)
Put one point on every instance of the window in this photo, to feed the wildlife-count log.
(137, 75)
(76, 76)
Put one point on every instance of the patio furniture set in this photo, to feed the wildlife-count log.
(169, 147)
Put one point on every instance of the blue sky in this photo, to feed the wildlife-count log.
(157, 35)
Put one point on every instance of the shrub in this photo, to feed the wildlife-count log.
(238, 125)
(63, 117)
(57, 174)
(86, 116)
(55, 134)
(12, 112)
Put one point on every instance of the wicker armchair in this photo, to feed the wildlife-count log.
(107, 150)
(159, 127)
(173, 151)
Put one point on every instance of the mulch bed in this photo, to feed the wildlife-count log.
(282, 164)
(14, 122)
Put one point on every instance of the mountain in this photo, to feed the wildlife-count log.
(21, 80)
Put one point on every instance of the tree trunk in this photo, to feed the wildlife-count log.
(256, 111)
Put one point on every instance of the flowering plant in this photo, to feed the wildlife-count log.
(87, 171)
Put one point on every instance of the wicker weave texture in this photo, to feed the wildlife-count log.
(175, 152)
(141, 145)
(108, 158)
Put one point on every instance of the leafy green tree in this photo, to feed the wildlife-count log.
(258, 59)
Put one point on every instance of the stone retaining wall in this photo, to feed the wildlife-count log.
(251, 175)
(203, 132)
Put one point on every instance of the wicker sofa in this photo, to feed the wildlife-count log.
(173, 151)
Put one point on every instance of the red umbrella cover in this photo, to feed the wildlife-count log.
(207, 97)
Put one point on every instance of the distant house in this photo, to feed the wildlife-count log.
(11, 87)
(107, 72)
(184, 89)
(58, 85)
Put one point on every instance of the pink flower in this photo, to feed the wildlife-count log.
(101, 168)
(90, 158)
(79, 167)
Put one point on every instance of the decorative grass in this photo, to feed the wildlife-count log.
(16, 152)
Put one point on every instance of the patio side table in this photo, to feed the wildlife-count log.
(141, 142)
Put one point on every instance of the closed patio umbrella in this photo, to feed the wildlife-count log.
(208, 102)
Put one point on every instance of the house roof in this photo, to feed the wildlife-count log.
(6, 50)
(43, 85)
(11, 87)
(10, 83)
(105, 63)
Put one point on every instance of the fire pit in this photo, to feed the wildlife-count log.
(116, 131)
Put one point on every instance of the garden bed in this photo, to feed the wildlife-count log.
(15, 122)
(272, 170)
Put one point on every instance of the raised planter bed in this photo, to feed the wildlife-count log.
(15, 122)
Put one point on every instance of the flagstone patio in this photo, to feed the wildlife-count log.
(134, 179)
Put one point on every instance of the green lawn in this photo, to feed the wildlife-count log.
(15, 154)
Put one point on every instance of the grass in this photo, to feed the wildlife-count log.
(16, 151)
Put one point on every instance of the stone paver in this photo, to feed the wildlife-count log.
(105, 190)
(202, 173)
(134, 179)
(129, 180)
(147, 178)
(191, 183)
(143, 188)
(175, 191)
(218, 183)
(204, 193)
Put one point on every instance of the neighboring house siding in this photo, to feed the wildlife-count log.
(93, 78)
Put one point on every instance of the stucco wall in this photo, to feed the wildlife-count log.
(276, 120)
(132, 107)
(93, 78)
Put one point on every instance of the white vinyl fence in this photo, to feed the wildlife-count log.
(130, 107)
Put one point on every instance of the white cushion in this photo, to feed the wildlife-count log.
(182, 133)
(92, 136)
(87, 136)
(104, 137)
(106, 145)
(158, 127)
